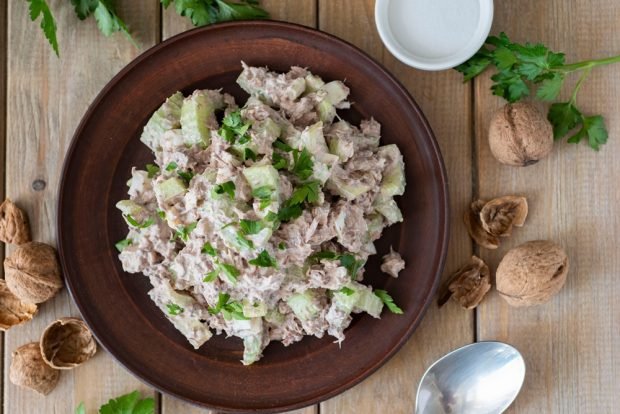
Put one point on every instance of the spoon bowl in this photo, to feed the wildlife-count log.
(481, 378)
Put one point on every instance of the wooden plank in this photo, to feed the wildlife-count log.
(447, 104)
(48, 96)
(297, 11)
(570, 343)
(3, 75)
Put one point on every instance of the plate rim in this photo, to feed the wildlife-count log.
(433, 149)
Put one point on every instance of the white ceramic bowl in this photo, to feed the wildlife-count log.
(433, 34)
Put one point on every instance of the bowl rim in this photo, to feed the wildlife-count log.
(447, 62)
(444, 232)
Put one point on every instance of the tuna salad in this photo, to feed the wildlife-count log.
(256, 221)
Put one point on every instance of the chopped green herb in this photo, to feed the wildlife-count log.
(230, 271)
(203, 13)
(271, 216)
(161, 214)
(282, 246)
(250, 226)
(306, 192)
(48, 24)
(289, 212)
(281, 145)
(347, 291)
(233, 126)
(387, 299)
(263, 192)
(226, 188)
(244, 140)
(127, 404)
(121, 245)
(211, 276)
(227, 134)
(152, 170)
(174, 309)
(325, 254)
(233, 310)
(171, 166)
(248, 244)
(263, 260)
(133, 222)
(264, 204)
(302, 164)
(186, 176)
(222, 299)
(208, 249)
(279, 162)
(183, 232)
(248, 154)
(347, 260)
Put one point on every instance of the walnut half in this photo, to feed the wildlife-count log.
(12, 310)
(14, 227)
(487, 221)
(468, 285)
(67, 343)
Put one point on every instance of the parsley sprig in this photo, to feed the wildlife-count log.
(263, 260)
(230, 309)
(205, 12)
(347, 260)
(521, 66)
(234, 128)
(131, 403)
(389, 302)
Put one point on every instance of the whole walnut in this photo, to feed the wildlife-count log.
(29, 370)
(12, 310)
(32, 272)
(67, 343)
(520, 135)
(14, 227)
(532, 273)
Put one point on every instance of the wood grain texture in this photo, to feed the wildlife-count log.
(570, 343)
(3, 97)
(296, 11)
(392, 389)
(47, 97)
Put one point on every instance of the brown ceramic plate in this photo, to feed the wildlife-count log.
(116, 305)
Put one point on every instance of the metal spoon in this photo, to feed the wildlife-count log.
(481, 378)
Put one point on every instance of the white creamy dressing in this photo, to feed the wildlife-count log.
(433, 29)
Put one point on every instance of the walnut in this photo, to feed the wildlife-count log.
(499, 215)
(475, 229)
(13, 224)
(468, 285)
(32, 272)
(12, 310)
(532, 273)
(29, 370)
(520, 135)
(67, 343)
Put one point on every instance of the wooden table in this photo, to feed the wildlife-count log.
(570, 344)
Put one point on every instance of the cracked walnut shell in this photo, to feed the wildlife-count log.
(67, 343)
(475, 229)
(468, 285)
(14, 227)
(500, 214)
(520, 135)
(532, 273)
(12, 310)
(32, 272)
(29, 370)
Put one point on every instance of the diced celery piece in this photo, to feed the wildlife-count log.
(369, 302)
(254, 309)
(167, 117)
(393, 182)
(312, 139)
(197, 113)
(129, 207)
(344, 149)
(304, 305)
(273, 316)
(262, 175)
(338, 184)
(327, 111)
(323, 164)
(336, 92)
(170, 188)
(252, 349)
(389, 209)
(313, 83)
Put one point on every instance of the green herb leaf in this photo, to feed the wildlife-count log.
(228, 188)
(121, 245)
(279, 162)
(109, 22)
(161, 214)
(282, 246)
(174, 309)
(233, 310)
(248, 244)
(389, 302)
(152, 170)
(80, 409)
(239, 11)
(208, 249)
(250, 226)
(264, 192)
(222, 299)
(84, 8)
(347, 291)
(248, 154)
(211, 276)
(594, 128)
(48, 24)
(302, 164)
(263, 260)
(352, 265)
(171, 166)
(186, 176)
(564, 117)
(282, 146)
(271, 216)
(550, 88)
(308, 192)
(289, 212)
(230, 271)
(325, 254)
(184, 232)
(233, 126)
(134, 223)
(129, 404)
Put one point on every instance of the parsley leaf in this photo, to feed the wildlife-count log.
(289, 212)
(228, 187)
(230, 309)
(306, 192)
(80, 409)
(263, 260)
(353, 265)
(347, 291)
(279, 162)
(264, 192)
(134, 223)
(248, 154)
(243, 242)
(564, 117)
(282, 246)
(211, 276)
(250, 226)
(594, 128)
(389, 302)
(208, 249)
(302, 164)
(325, 254)
(282, 146)
(161, 214)
(171, 166)
(129, 404)
(109, 22)
(122, 244)
(84, 8)
(152, 170)
(239, 11)
(550, 88)
(183, 232)
(174, 309)
(230, 271)
(48, 24)
(233, 126)
(186, 176)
